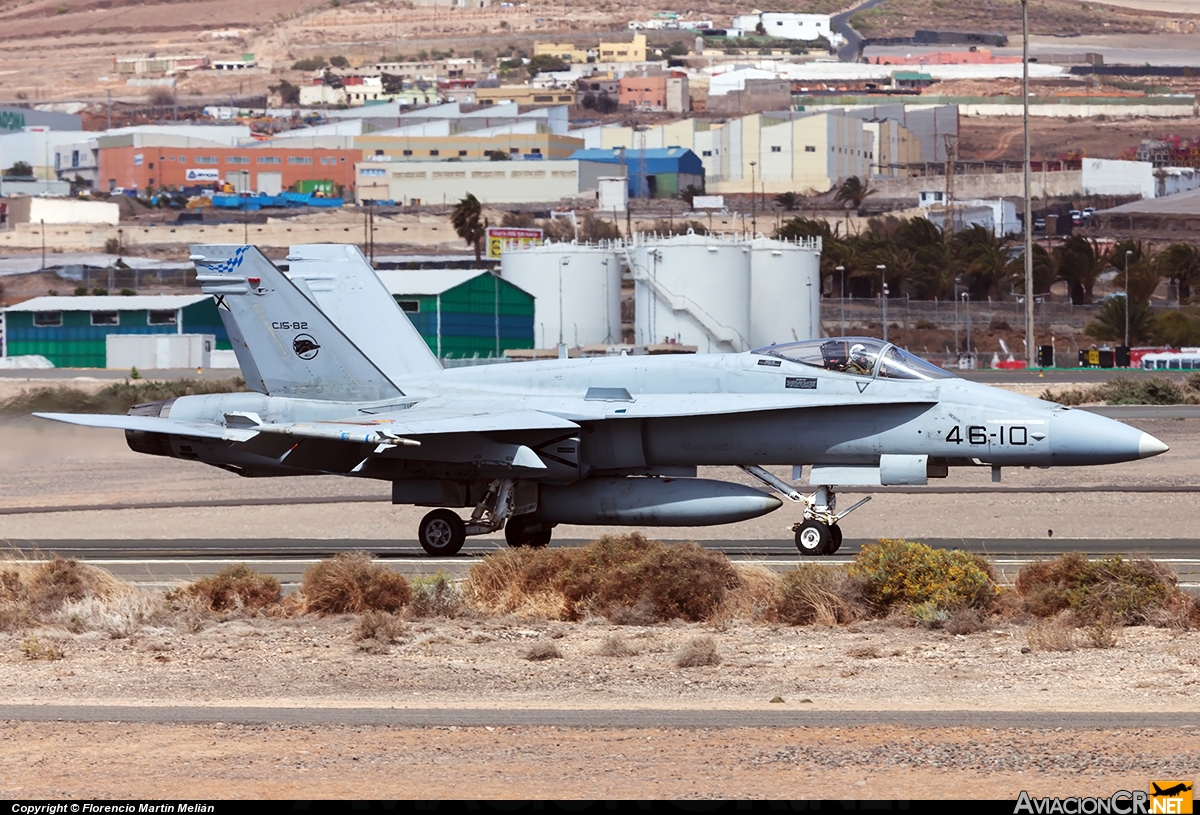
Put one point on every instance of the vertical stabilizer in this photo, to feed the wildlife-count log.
(342, 283)
(286, 344)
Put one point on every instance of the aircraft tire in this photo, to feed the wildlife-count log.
(520, 530)
(442, 533)
(540, 540)
(813, 538)
(835, 539)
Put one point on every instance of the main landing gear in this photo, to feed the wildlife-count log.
(442, 533)
(818, 533)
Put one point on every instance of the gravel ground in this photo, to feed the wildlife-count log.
(470, 664)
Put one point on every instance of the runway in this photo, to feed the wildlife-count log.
(555, 717)
(164, 563)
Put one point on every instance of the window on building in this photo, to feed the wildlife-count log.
(435, 152)
(152, 165)
(514, 150)
(137, 160)
(379, 152)
(299, 160)
(369, 172)
(45, 319)
(237, 159)
(407, 152)
(410, 306)
(206, 159)
(74, 158)
(809, 148)
(706, 152)
(462, 152)
(162, 317)
(775, 148)
(105, 318)
(269, 160)
(537, 151)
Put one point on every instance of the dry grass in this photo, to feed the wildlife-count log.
(435, 596)
(615, 645)
(825, 595)
(698, 652)
(33, 648)
(1053, 635)
(235, 588)
(376, 630)
(754, 598)
(351, 583)
(625, 579)
(36, 592)
(541, 651)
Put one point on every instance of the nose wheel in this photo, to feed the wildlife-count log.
(817, 538)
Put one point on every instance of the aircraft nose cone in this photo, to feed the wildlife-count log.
(1150, 446)
(1082, 437)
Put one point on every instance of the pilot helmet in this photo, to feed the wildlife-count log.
(858, 351)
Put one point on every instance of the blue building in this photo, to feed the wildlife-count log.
(660, 172)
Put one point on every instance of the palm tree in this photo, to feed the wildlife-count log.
(986, 260)
(1080, 262)
(788, 200)
(1110, 321)
(853, 191)
(469, 223)
(1181, 263)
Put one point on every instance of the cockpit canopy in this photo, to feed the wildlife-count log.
(861, 356)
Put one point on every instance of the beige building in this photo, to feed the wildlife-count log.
(634, 51)
(492, 182)
(468, 146)
(525, 95)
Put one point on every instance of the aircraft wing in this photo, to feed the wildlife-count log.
(151, 424)
(391, 430)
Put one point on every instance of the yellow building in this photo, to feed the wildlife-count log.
(607, 52)
(525, 95)
(564, 50)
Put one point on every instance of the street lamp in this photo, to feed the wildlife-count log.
(842, 270)
(883, 296)
(1030, 350)
(1128, 253)
(753, 201)
(966, 298)
(562, 264)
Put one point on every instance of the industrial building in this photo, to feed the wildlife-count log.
(72, 332)
(475, 145)
(652, 173)
(464, 313)
(510, 182)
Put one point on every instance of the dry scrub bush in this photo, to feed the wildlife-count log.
(32, 593)
(351, 583)
(626, 578)
(542, 651)
(1112, 590)
(615, 645)
(33, 648)
(754, 598)
(1052, 635)
(376, 630)
(434, 596)
(908, 574)
(826, 595)
(234, 588)
(118, 616)
(698, 652)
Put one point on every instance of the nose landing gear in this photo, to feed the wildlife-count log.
(818, 533)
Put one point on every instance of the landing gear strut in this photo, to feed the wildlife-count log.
(818, 533)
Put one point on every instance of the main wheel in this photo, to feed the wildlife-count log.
(442, 533)
(523, 530)
(835, 539)
(812, 538)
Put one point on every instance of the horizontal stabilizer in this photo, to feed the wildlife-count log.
(151, 424)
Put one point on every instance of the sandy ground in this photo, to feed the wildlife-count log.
(473, 664)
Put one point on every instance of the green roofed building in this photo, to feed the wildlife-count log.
(71, 331)
(463, 313)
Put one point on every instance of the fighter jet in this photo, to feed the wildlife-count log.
(343, 384)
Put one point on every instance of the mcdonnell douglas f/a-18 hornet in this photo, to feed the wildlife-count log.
(344, 384)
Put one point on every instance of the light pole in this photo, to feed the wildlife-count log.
(1128, 253)
(883, 295)
(842, 299)
(1030, 350)
(753, 201)
(955, 299)
(966, 297)
(562, 264)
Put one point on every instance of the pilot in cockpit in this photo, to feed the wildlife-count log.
(861, 362)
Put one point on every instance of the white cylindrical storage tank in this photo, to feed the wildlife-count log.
(694, 290)
(785, 291)
(584, 279)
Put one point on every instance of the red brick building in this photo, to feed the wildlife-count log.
(256, 168)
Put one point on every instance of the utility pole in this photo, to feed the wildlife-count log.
(842, 271)
(883, 296)
(753, 202)
(1030, 348)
